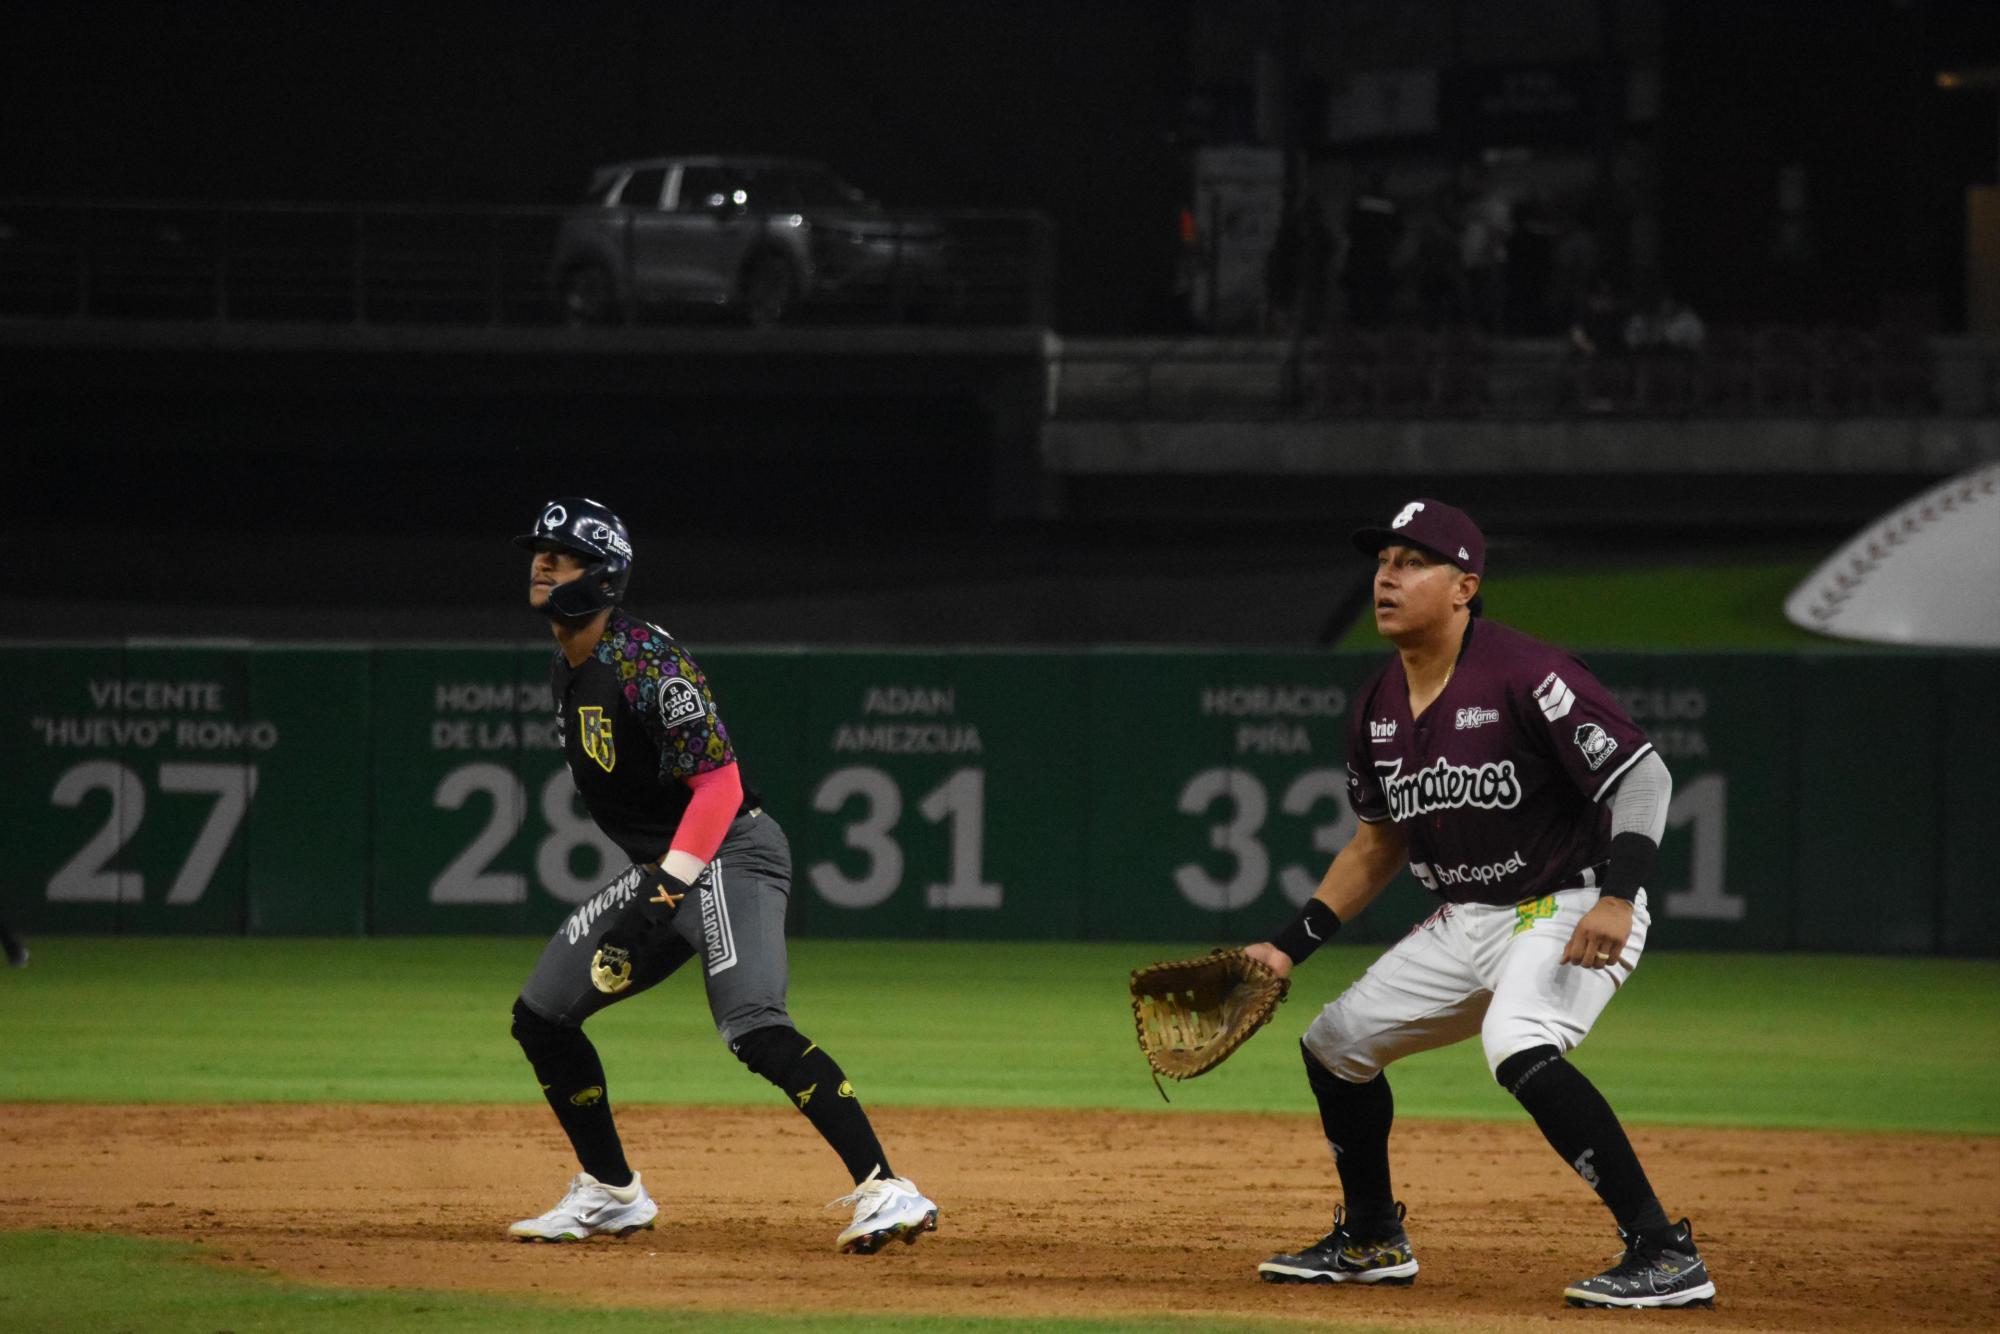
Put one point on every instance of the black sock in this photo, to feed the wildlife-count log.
(1580, 1125)
(1356, 1118)
(572, 1078)
(814, 1083)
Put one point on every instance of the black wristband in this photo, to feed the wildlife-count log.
(1631, 859)
(1313, 927)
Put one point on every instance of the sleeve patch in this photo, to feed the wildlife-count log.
(1555, 699)
(679, 702)
(1596, 744)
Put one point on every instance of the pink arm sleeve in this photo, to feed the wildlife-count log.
(717, 794)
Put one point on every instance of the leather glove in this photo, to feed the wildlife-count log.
(646, 917)
(1193, 1013)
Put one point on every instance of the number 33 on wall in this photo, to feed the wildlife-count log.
(1237, 836)
(1701, 806)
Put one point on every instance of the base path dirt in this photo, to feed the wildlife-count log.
(1043, 1213)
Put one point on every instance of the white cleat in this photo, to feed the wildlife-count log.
(885, 1208)
(589, 1209)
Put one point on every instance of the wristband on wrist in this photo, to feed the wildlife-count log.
(1314, 925)
(683, 865)
(1631, 858)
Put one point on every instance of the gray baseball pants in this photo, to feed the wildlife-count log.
(733, 922)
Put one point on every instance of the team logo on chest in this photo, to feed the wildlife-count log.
(593, 733)
(1445, 786)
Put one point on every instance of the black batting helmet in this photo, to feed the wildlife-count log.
(587, 529)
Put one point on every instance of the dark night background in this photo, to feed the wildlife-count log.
(1847, 89)
(1088, 112)
(1063, 107)
(1078, 109)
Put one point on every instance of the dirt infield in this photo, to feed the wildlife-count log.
(1045, 1213)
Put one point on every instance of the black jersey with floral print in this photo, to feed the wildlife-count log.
(636, 720)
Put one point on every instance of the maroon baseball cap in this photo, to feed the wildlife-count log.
(1444, 530)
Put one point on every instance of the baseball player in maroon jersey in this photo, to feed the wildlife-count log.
(1516, 790)
(709, 882)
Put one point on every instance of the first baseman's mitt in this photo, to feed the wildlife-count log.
(1193, 1013)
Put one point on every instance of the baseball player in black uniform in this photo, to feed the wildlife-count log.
(1516, 790)
(709, 880)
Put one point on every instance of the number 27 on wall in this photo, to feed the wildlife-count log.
(87, 877)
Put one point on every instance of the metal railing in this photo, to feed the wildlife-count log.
(402, 264)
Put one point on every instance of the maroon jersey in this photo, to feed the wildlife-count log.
(1500, 784)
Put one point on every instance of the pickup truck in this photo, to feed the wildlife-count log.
(758, 238)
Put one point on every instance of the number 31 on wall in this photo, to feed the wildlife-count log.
(960, 800)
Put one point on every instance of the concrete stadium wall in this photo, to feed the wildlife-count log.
(1835, 803)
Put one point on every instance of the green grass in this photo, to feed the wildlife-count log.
(1738, 1039)
(1731, 1040)
(1720, 606)
(58, 1282)
(1741, 1040)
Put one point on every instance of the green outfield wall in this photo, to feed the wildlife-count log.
(1834, 803)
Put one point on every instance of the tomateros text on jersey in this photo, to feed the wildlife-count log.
(1445, 786)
